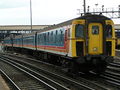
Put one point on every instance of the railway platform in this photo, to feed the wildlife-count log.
(3, 85)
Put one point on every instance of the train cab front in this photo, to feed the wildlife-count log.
(93, 43)
(100, 42)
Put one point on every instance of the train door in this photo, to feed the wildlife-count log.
(95, 43)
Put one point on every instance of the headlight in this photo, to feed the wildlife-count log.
(95, 49)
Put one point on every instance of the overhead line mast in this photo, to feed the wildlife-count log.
(31, 14)
(84, 6)
(110, 12)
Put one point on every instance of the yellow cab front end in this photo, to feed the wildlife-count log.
(93, 43)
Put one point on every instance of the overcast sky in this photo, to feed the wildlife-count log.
(44, 12)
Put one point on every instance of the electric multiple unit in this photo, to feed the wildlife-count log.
(81, 44)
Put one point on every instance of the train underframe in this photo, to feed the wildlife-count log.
(95, 63)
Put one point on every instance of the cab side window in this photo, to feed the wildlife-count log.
(108, 30)
(79, 29)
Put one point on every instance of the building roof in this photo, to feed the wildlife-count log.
(22, 27)
(117, 26)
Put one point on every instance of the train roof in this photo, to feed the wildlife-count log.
(87, 16)
(91, 16)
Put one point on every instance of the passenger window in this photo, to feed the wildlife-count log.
(44, 38)
(48, 38)
(79, 29)
(108, 30)
(56, 36)
(52, 36)
(95, 30)
(61, 35)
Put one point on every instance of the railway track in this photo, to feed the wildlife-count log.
(36, 82)
(106, 77)
(71, 83)
(21, 78)
(112, 78)
(112, 74)
(115, 64)
(64, 83)
(11, 83)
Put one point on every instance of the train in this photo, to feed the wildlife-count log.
(82, 44)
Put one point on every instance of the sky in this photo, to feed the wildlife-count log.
(47, 12)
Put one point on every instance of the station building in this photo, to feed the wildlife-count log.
(6, 30)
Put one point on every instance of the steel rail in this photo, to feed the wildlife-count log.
(111, 78)
(37, 76)
(115, 64)
(55, 75)
(14, 86)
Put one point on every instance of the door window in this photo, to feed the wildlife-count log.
(95, 30)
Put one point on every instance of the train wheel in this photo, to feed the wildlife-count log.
(73, 68)
(100, 69)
